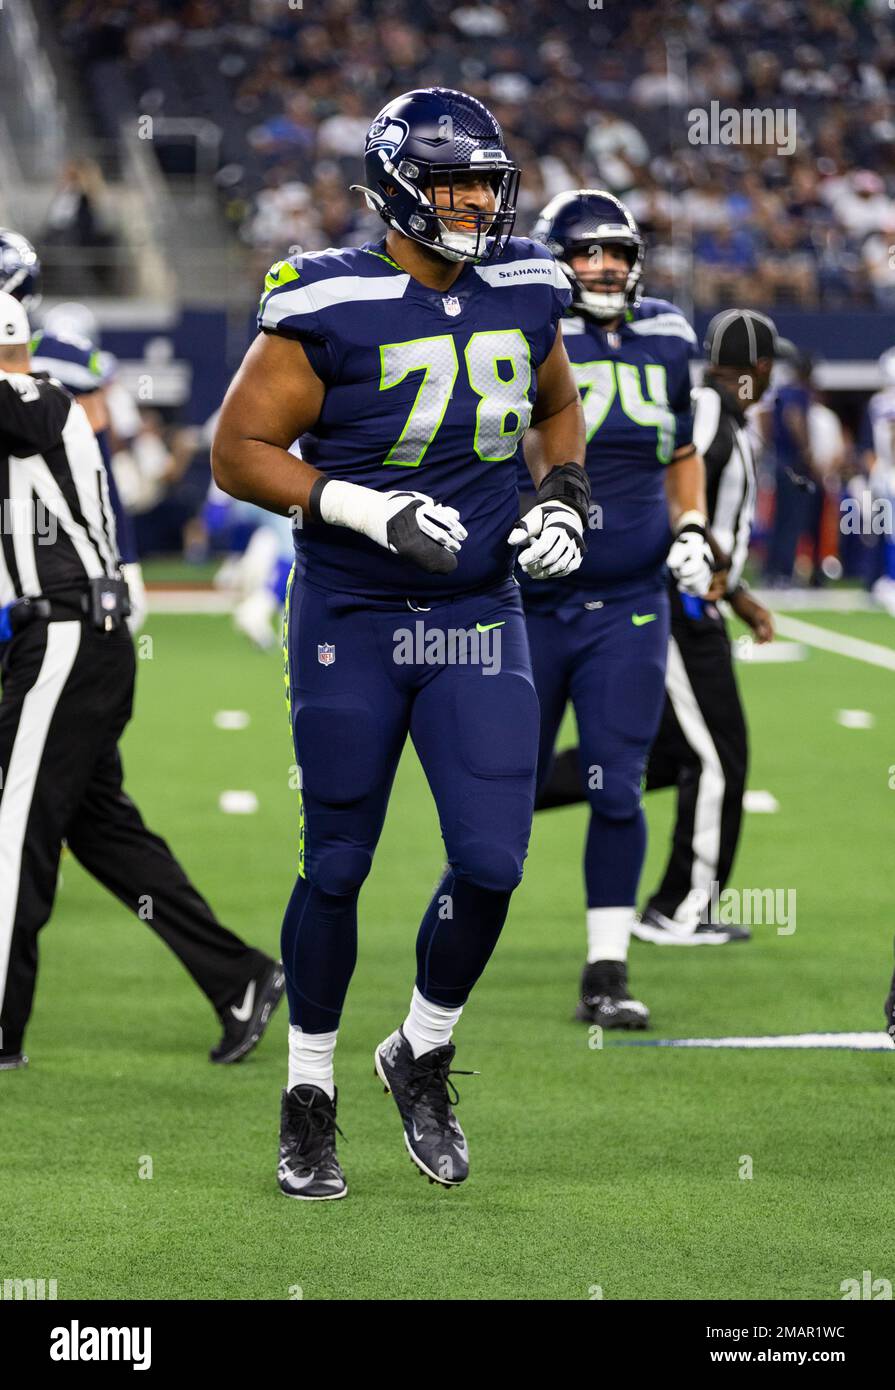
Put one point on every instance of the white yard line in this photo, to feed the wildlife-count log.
(869, 652)
(856, 1042)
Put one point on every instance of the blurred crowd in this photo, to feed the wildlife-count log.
(588, 94)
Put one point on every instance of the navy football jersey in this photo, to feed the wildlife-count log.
(635, 387)
(425, 389)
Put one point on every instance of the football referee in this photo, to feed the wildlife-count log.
(702, 744)
(67, 664)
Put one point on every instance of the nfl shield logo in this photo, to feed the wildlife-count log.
(614, 340)
(451, 304)
(326, 653)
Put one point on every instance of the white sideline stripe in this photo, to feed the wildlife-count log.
(818, 600)
(858, 1042)
(780, 601)
(192, 601)
(38, 707)
(837, 642)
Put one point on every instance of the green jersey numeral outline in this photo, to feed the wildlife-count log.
(499, 397)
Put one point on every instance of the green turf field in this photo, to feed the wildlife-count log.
(615, 1168)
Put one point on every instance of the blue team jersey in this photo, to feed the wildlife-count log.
(635, 386)
(426, 390)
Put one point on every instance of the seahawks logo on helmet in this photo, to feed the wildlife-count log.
(419, 153)
(388, 134)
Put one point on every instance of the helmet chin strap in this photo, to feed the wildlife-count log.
(456, 246)
(607, 304)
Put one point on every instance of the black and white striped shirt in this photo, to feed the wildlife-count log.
(720, 435)
(57, 527)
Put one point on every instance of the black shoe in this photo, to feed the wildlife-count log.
(246, 1018)
(605, 999)
(421, 1090)
(890, 1012)
(654, 926)
(308, 1167)
(12, 1061)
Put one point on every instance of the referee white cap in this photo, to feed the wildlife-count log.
(14, 327)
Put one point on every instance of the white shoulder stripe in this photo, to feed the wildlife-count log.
(538, 270)
(665, 325)
(324, 294)
(73, 375)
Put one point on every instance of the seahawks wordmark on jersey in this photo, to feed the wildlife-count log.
(426, 390)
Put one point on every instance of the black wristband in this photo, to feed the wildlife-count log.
(570, 484)
(314, 499)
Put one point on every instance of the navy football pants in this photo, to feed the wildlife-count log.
(610, 663)
(362, 676)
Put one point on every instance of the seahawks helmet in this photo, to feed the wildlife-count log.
(581, 222)
(436, 135)
(19, 268)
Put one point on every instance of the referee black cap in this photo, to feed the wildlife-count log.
(740, 337)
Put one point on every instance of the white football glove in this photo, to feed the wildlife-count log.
(556, 532)
(409, 524)
(690, 556)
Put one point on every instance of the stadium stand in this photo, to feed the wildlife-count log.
(586, 95)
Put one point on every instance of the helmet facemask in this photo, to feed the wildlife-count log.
(462, 233)
(612, 291)
(434, 216)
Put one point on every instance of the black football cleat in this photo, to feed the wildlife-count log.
(308, 1167)
(890, 1011)
(654, 926)
(12, 1061)
(247, 1016)
(422, 1092)
(605, 999)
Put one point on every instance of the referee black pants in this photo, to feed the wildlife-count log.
(702, 750)
(67, 696)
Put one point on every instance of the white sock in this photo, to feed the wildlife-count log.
(428, 1025)
(608, 933)
(311, 1059)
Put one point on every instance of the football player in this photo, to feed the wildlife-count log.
(600, 637)
(409, 369)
